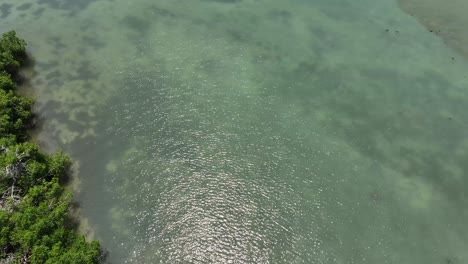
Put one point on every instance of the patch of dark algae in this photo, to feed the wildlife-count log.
(5, 10)
(72, 6)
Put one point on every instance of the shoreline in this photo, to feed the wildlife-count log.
(438, 18)
(38, 220)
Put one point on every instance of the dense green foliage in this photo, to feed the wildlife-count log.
(12, 52)
(33, 204)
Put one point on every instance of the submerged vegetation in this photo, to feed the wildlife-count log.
(33, 205)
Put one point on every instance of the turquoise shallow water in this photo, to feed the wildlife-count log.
(254, 131)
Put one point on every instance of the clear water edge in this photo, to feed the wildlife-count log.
(210, 137)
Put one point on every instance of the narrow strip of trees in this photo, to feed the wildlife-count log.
(33, 204)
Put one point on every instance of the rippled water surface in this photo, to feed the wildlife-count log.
(257, 131)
